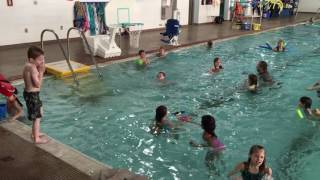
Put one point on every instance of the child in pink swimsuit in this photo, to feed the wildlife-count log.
(208, 124)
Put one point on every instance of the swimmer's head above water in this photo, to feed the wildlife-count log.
(305, 102)
(252, 82)
(262, 67)
(161, 76)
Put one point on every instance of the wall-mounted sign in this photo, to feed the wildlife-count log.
(9, 2)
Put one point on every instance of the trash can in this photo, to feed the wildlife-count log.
(246, 26)
(256, 27)
(3, 111)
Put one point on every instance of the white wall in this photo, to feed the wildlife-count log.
(53, 14)
(25, 14)
(145, 11)
(309, 5)
(205, 13)
(183, 7)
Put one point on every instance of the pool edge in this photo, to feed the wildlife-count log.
(84, 163)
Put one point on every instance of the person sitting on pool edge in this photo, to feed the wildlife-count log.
(14, 106)
(305, 104)
(161, 76)
(263, 74)
(217, 65)
(142, 59)
(162, 52)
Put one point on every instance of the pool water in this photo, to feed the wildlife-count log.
(108, 119)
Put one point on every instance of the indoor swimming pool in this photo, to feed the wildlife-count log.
(108, 119)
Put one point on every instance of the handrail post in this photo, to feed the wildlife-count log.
(63, 52)
(87, 45)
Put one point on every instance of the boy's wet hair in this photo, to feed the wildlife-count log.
(161, 47)
(208, 124)
(306, 101)
(161, 112)
(34, 52)
(141, 51)
(253, 79)
(263, 65)
(161, 72)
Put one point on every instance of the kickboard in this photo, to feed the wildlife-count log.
(61, 69)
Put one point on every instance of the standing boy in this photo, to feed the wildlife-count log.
(33, 75)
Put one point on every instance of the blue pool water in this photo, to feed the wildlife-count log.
(109, 119)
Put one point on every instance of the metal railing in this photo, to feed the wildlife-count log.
(63, 52)
(86, 44)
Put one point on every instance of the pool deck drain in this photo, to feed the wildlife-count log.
(20, 158)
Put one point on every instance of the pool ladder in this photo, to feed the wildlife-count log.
(67, 55)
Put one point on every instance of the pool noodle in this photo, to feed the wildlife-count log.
(299, 113)
(267, 46)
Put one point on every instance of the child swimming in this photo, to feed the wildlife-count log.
(162, 52)
(262, 69)
(315, 87)
(305, 104)
(209, 44)
(143, 59)
(280, 46)
(161, 122)
(255, 168)
(217, 65)
(161, 76)
(252, 83)
(209, 136)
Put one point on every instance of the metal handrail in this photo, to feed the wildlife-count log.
(86, 43)
(63, 52)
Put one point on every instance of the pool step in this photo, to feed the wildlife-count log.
(61, 69)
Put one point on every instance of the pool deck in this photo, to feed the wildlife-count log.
(19, 157)
(12, 57)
